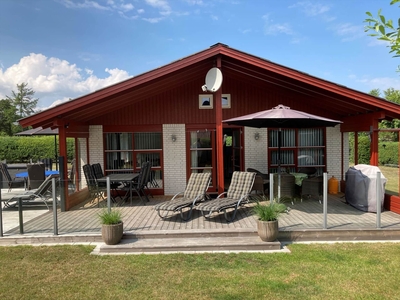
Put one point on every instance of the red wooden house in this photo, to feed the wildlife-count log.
(165, 117)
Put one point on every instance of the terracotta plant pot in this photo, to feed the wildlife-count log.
(267, 230)
(112, 234)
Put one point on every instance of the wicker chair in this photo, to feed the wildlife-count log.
(287, 185)
(312, 187)
(261, 182)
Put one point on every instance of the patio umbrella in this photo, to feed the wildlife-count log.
(41, 131)
(282, 117)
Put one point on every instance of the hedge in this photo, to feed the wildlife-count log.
(24, 149)
(388, 151)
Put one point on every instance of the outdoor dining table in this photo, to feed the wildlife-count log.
(125, 178)
(46, 173)
(25, 176)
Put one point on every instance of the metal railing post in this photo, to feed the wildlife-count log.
(378, 200)
(325, 200)
(53, 183)
(20, 215)
(108, 194)
(1, 211)
(271, 187)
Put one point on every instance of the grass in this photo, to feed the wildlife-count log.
(319, 271)
(392, 175)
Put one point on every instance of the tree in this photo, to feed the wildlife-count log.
(385, 30)
(7, 117)
(391, 95)
(23, 100)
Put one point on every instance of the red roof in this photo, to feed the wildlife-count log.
(341, 101)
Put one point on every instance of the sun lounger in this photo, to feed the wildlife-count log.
(236, 196)
(194, 194)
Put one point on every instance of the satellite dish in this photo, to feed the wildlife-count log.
(213, 79)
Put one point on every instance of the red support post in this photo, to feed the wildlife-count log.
(219, 135)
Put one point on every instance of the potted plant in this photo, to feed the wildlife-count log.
(112, 227)
(267, 222)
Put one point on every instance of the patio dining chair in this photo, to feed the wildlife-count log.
(11, 182)
(98, 173)
(95, 191)
(140, 183)
(36, 175)
(43, 193)
(236, 196)
(194, 194)
(71, 175)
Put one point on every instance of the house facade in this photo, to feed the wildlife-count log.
(164, 116)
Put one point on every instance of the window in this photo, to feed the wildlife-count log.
(148, 147)
(126, 152)
(300, 148)
(205, 101)
(226, 100)
(119, 152)
(200, 151)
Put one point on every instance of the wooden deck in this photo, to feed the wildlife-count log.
(303, 216)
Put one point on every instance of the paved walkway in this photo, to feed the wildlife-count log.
(10, 215)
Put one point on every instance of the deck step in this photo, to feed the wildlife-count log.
(189, 245)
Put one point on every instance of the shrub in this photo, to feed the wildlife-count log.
(22, 149)
(388, 153)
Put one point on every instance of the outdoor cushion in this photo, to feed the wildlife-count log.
(195, 192)
(237, 195)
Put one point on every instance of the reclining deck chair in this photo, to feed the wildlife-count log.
(194, 193)
(42, 193)
(236, 196)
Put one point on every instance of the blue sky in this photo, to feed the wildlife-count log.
(67, 48)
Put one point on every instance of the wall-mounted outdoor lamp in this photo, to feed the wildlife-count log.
(173, 138)
(256, 136)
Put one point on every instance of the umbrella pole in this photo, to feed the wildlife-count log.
(279, 163)
(55, 151)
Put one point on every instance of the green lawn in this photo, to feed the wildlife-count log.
(319, 271)
(392, 175)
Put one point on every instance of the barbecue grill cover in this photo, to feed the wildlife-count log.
(361, 187)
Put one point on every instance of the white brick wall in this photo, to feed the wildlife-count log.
(174, 159)
(256, 151)
(333, 152)
(82, 144)
(346, 153)
(96, 151)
